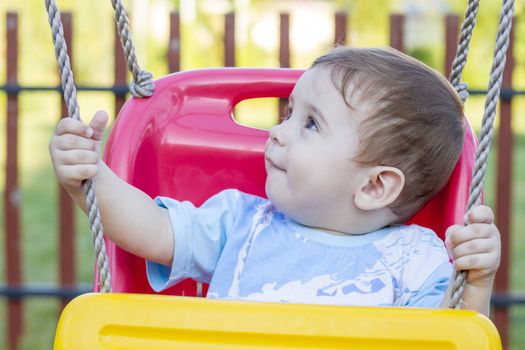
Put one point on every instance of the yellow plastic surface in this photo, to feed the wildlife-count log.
(131, 321)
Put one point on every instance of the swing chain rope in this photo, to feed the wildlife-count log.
(462, 51)
(142, 84)
(70, 97)
(487, 129)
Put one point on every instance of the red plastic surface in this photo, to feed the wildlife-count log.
(183, 142)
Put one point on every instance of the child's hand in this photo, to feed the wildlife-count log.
(75, 150)
(476, 247)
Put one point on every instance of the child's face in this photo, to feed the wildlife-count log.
(311, 175)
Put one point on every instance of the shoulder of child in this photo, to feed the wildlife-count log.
(413, 240)
(415, 233)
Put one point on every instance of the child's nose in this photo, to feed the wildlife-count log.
(277, 134)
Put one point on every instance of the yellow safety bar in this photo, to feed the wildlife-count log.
(134, 321)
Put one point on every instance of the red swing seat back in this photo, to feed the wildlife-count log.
(184, 143)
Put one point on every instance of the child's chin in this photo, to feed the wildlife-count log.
(274, 197)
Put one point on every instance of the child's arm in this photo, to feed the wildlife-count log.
(130, 218)
(476, 248)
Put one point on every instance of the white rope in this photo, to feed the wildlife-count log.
(487, 129)
(142, 84)
(70, 97)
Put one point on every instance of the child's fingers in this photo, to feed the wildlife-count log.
(70, 175)
(72, 141)
(73, 126)
(479, 215)
(487, 262)
(98, 124)
(450, 236)
(472, 247)
(459, 234)
(452, 230)
(77, 156)
(455, 235)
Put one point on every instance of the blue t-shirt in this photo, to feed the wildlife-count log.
(246, 250)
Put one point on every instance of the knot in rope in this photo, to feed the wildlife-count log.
(143, 86)
(462, 89)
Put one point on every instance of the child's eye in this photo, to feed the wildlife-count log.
(310, 124)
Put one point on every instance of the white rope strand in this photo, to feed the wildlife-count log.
(487, 128)
(70, 97)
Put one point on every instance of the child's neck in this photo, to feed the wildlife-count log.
(362, 222)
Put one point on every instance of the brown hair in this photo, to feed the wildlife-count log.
(415, 123)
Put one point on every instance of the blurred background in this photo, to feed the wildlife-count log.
(172, 35)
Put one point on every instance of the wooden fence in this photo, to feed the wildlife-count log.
(15, 290)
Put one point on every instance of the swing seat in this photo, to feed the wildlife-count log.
(138, 321)
(183, 142)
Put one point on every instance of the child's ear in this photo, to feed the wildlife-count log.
(381, 188)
